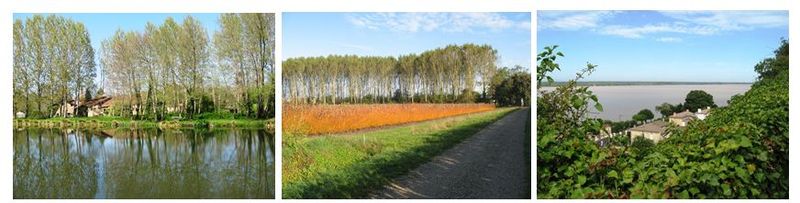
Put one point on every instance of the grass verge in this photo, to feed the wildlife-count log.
(351, 166)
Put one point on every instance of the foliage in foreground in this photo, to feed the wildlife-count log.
(739, 151)
(350, 166)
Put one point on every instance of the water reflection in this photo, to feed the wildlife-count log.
(146, 163)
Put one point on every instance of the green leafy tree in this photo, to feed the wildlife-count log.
(647, 114)
(450, 74)
(643, 116)
(775, 67)
(244, 46)
(665, 109)
(53, 63)
(513, 89)
(698, 99)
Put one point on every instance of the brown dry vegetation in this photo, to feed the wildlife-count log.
(326, 119)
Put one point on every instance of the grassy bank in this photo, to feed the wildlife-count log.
(117, 122)
(350, 166)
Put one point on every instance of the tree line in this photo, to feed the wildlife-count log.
(53, 61)
(171, 69)
(443, 75)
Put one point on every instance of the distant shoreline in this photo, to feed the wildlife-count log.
(626, 83)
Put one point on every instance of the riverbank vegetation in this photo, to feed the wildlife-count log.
(352, 165)
(739, 151)
(168, 71)
(120, 122)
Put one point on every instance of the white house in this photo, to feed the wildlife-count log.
(703, 113)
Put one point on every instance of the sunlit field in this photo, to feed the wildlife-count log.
(326, 119)
(352, 165)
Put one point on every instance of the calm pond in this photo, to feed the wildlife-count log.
(623, 101)
(145, 163)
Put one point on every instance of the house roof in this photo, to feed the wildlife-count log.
(653, 127)
(682, 115)
(103, 101)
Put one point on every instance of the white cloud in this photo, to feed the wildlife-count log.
(679, 22)
(571, 20)
(427, 22)
(732, 20)
(669, 39)
(641, 31)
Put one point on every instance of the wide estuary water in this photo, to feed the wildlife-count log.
(622, 102)
(145, 163)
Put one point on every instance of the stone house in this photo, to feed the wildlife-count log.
(98, 106)
(91, 108)
(655, 131)
(682, 118)
(66, 109)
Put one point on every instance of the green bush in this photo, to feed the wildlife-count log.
(216, 115)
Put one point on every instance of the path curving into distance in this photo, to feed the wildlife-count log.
(492, 164)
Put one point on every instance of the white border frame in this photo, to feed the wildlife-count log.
(8, 7)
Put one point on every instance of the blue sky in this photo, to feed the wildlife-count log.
(394, 34)
(102, 26)
(689, 46)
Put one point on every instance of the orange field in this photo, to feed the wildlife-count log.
(325, 119)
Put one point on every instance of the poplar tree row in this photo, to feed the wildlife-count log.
(53, 62)
(177, 68)
(443, 75)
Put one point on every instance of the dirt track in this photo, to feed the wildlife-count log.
(493, 163)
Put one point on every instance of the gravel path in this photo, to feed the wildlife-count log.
(491, 164)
